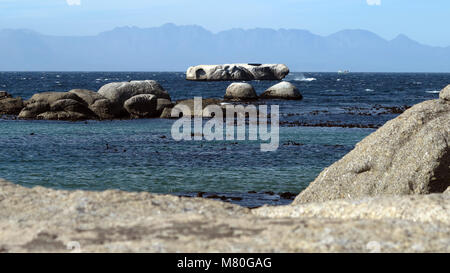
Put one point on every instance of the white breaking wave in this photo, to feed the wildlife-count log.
(433, 91)
(302, 78)
(369, 90)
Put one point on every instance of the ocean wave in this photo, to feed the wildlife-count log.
(433, 91)
(302, 78)
(369, 90)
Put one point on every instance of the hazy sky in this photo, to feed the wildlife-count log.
(421, 20)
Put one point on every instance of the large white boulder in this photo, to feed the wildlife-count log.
(237, 72)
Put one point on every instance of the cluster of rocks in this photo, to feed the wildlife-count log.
(135, 99)
(246, 92)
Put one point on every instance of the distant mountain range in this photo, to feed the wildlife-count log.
(174, 48)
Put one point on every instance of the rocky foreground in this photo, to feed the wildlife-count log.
(45, 220)
(390, 194)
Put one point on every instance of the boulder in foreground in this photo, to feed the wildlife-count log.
(237, 72)
(408, 155)
(282, 90)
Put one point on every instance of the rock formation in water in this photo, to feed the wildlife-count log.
(102, 107)
(141, 106)
(282, 90)
(112, 101)
(237, 72)
(408, 155)
(119, 92)
(10, 105)
(119, 100)
(240, 92)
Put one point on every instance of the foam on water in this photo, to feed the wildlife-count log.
(302, 78)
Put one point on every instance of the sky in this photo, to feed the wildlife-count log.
(421, 20)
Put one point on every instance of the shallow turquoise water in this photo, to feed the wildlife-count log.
(140, 155)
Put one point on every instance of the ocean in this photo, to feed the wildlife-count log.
(338, 110)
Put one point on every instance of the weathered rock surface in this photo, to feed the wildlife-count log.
(105, 109)
(282, 90)
(51, 97)
(408, 155)
(46, 220)
(237, 72)
(69, 105)
(240, 92)
(445, 93)
(167, 113)
(4, 95)
(432, 208)
(89, 97)
(33, 109)
(67, 109)
(102, 107)
(162, 104)
(10, 106)
(141, 106)
(64, 115)
(56, 106)
(447, 191)
(119, 92)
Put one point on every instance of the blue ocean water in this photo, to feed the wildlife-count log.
(140, 155)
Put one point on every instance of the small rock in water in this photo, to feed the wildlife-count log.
(288, 195)
(200, 194)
